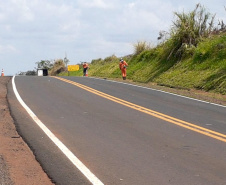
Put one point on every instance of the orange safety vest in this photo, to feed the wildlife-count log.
(122, 65)
(85, 66)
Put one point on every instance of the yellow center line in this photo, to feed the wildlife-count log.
(187, 125)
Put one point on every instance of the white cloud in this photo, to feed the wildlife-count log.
(16, 10)
(131, 5)
(95, 3)
(8, 49)
(32, 30)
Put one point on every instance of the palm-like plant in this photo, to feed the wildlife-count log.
(189, 29)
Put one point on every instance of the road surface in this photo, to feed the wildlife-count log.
(123, 134)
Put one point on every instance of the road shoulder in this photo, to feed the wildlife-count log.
(191, 93)
(17, 162)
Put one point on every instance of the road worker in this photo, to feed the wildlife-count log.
(122, 67)
(85, 69)
(2, 74)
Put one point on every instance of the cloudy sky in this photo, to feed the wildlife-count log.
(35, 30)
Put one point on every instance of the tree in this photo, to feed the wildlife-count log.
(45, 64)
(28, 73)
(31, 73)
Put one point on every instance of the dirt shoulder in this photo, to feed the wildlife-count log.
(17, 163)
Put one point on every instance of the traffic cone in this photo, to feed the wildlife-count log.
(2, 73)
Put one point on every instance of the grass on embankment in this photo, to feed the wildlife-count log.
(205, 69)
(202, 67)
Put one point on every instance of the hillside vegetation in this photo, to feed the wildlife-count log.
(192, 55)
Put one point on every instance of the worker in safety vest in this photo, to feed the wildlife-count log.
(85, 69)
(122, 67)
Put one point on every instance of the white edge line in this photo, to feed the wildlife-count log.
(163, 92)
(89, 175)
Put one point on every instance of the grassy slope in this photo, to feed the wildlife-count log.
(202, 68)
(206, 69)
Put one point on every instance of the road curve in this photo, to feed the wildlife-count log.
(118, 143)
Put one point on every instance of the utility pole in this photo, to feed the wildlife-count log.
(66, 61)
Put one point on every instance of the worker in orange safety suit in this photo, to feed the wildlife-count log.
(85, 69)
(122, 67)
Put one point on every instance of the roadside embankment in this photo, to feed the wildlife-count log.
(201, 67)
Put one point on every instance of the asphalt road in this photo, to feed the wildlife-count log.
(143, 137)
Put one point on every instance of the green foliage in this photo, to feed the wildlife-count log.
(58, 67)
(105, 67)
(203, 68)
(96, 61)
(214, 47)
(215, 81)
(141, 46)
(187, 31)
(28, 73)
(99, 61)
(31, 73)
(191, 57)
(44, 64)
(110, 59)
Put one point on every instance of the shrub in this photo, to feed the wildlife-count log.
(96, 61)
(58, 67)
(188, 30)
(141, 46)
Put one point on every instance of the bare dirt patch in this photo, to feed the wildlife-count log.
(17, 163)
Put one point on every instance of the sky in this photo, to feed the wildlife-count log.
(82, 30)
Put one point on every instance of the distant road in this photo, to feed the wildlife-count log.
(123, 134)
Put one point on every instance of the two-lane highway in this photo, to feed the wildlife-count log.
(123, 134)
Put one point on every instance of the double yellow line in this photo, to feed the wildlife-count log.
(187, 125)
